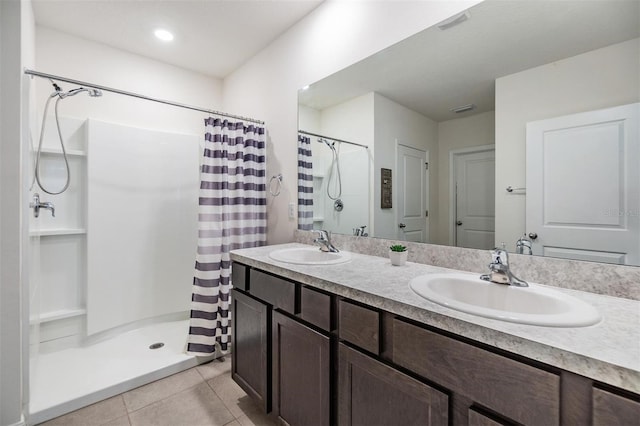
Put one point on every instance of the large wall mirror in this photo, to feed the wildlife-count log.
(513, 123)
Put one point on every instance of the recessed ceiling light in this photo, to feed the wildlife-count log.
(163, 35)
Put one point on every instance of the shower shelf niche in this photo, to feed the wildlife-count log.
(59, 310)
(58, 315)
(70, 152)
(55, 232)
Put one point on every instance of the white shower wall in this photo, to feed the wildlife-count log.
(141, 223)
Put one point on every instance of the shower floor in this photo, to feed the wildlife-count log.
(69, 379)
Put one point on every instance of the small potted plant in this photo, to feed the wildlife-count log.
(398, 254)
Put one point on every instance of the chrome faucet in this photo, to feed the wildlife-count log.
(36, 205)
(500, 272)
(324, 240)
(360, 231)
(523, 245)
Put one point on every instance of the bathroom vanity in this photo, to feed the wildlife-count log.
(351, 344)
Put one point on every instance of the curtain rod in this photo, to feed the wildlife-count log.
(136, 95)
(333, 139)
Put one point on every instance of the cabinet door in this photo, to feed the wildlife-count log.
(301, 373)
(372, 393)
(250, 355)
(611, 409)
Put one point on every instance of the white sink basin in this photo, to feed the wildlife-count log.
(534, 305)
(309, 256)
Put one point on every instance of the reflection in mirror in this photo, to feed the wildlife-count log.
(333, 184)
(537, 96)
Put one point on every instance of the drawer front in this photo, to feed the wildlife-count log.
(515, 390)
(478, 419)
(274, 290)
(240, 276)
(373, 393)
(359, 325)
(315, 307)
(611, 409)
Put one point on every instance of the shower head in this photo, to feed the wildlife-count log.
(94, 93)
(330, 145)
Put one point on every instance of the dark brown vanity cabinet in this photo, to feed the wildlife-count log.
(315, 358)
(301, 373)
(280, 361)
(373, 393)
(250, 347)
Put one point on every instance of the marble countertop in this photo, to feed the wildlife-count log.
(608, 352)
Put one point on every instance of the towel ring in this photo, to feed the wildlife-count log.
(278, 179)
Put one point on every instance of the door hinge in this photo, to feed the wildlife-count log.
(426, 165)
(426, 213)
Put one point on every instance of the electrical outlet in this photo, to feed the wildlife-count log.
(292, 211)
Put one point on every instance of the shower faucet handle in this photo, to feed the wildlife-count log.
(36, 205)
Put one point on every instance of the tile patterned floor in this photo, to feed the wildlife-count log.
(201, 396)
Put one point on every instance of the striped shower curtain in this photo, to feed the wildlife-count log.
(231, 215)
(305, 184)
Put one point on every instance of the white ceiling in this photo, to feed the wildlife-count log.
(213, 37)
(436, 70)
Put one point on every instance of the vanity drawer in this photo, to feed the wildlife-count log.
(240, 276)
(315, 307)
(359, 325)
(518, 391)
(611, 409)
(274, 290)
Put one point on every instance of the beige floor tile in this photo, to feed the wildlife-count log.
(94, 415)
(120, 421)
(196, 406)
(236, 400)
(256, 419)
(233, 423)
(215, 368)
(226, 388)
(161, 389)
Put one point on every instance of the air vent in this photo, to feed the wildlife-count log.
(463, 108)
(454, 20)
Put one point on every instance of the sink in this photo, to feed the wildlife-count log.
(309, 256)
(534, 305)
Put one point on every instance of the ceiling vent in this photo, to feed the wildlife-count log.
(454, 20)
(463, 108)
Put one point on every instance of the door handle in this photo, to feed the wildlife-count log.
(533, 235)
(459, 223)
(402, 226)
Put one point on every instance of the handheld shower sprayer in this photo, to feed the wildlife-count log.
(58, 93)
(94, 93)
(335, 165)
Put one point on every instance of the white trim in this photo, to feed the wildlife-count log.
(452, 189)
(22, 422)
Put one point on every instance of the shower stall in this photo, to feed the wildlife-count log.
(112, 238)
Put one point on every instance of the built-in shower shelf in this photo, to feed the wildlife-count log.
(57, 315)
(318, 176)
(318, 218)
(70, 152)
(60, 231)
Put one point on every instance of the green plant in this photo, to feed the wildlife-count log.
(398, 247)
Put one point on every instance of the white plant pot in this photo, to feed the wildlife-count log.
(398, 258)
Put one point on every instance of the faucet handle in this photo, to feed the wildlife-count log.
(499, 256)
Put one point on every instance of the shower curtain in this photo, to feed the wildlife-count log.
(305, 184)
(231, 215)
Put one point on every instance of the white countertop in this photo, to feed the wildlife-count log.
(608, 352)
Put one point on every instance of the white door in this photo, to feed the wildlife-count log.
(413, 184)
(583, 185)
(474, 209)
